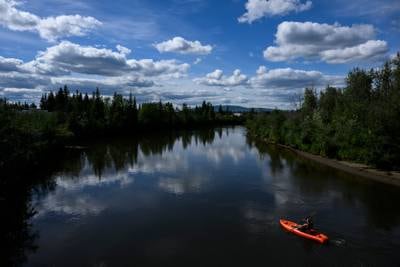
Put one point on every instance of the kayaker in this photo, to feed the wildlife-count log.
(307, 225)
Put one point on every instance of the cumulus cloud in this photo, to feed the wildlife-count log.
(182, 46)
(164, 68)
(84, 68)
(15, 19)
(50, 28)
(371, 50)
(54, 28)
(272, 79)
(16, 83)
(280, 87)
(291, 79)
(331, 43)
(9, 64)
(66, 58)
(217, 78)
(257, 9)
(22, 80)
(123, 50)
(108, 84)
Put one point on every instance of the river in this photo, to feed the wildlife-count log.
(201, 198)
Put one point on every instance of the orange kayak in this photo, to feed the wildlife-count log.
(310, 234)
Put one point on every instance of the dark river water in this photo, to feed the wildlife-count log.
(202, 198)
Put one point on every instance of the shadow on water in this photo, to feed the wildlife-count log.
(17, 235)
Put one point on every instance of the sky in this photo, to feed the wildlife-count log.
(252, 53)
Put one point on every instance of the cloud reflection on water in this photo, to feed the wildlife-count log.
(166, 196)
(174, 167)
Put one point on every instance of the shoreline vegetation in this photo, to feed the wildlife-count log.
(29, 135)
(357, 169)
(355, 129)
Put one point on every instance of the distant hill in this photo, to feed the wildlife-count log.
(240, 109)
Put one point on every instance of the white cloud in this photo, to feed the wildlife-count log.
(22, 90)
(9, 64)
(107, 85)
(50, 28)
(373, 49)
(281, 87)
(332, 43)
(268, 87)
(217, 78)
(164, 68)
(22, 80)
(54, 28)
(291, 79)
(15, 19)
(67, 58)
(257, 9)
(123, 50)
(84, 68)
(182, 46)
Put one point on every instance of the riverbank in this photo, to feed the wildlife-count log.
(357, 169)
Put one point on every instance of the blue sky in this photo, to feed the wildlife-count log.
(240, 52)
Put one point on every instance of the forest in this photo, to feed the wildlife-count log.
(28, 133)
(358, 123)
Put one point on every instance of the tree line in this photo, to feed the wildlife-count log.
(28, 133)
(360, 122)
(86, 115)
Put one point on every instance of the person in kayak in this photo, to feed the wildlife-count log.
(307, 225)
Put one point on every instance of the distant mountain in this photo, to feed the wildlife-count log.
(240, 109)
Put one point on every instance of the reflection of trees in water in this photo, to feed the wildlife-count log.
(219, 131)
(16, 191)
(120, 153)
(154, 145)
(73, 163)
(274, 152)
(16, 234)
(99, 159)
(204, 137)
(311, 178)
(379, 200)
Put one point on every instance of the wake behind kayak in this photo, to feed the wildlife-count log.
(309, 234)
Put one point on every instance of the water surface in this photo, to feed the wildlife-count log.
(206, 198)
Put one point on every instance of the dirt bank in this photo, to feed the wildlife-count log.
(352, 168)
